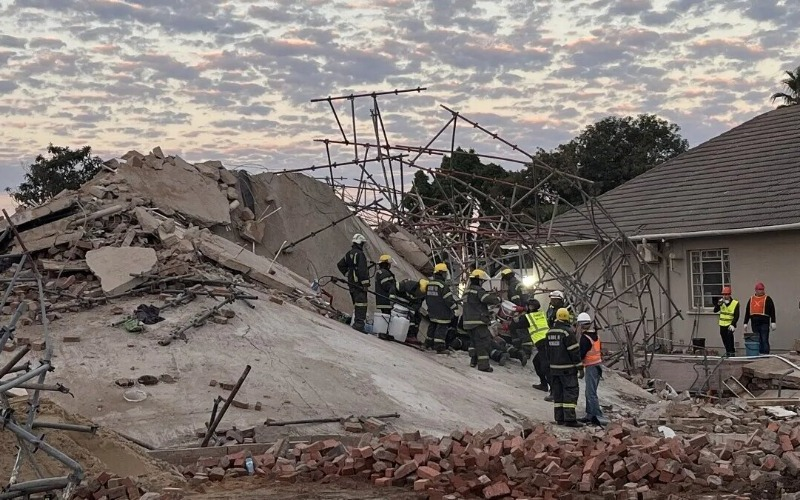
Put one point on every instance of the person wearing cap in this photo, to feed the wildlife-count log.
(411, 294)
(760, 316)
(476, 318)
(441, 308)
(354, 267)
(590, 350)
(535, 325)
(518, 336)
(728, 309)
(566, 367)
(513, 287)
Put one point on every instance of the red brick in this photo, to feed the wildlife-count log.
(421, 484)
(426, 472)
(497, 490)
(383, 481)
(786, 443)
(496, 449)
(405, 469)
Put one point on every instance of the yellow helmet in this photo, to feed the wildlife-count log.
(562, 314)
(440, 268)
(423, 285)
(480, 274)
(506, 272)
(385, 258)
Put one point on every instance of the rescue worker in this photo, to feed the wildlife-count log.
(476, 318)
(354, 267)
(535, 324)
(520, 339)
(728, 310)
(760, 314)
(441, 308)
(566, 368)
(385, 285)
(590, 350)
(557, 301)
(411, 294)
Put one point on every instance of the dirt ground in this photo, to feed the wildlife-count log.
(248, 489)
(103, 451)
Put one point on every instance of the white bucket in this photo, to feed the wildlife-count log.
(380, 323)
(400, 311)
(398, 328)
(507, 310)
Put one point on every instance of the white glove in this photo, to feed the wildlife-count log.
(731, 328)
(746, 328)
(773, 326)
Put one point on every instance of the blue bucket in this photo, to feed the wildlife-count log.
(751, 348)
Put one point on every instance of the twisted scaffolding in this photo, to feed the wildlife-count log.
(467, 227)
(24, 376)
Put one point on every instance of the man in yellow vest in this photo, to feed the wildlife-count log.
(592, 365)
(760, 315)
(728, 309)
(535, 322)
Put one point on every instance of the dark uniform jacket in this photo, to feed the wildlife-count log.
(515, 294)
(563, 350)
(476, 310)
(408, 291)
(385, 288)
(440, 301)
(354, 267)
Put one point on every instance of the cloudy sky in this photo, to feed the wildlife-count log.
(232, 80)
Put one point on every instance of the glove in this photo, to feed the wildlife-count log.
(580, 373)
(519, 309)
(731, 328)
(504, 327)
(773, 326)
(746, 328)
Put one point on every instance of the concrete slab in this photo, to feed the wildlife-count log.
(115, 265)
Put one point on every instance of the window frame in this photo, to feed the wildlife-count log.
(703, 259)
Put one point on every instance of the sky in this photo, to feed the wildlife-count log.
(232, 80)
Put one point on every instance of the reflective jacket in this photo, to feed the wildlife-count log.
(726, 313)
(385, 289)
(515, 294)
(354, 267)
(476, 310)
(563, 350)
(440, 300)
(591, 349)
(537, 325)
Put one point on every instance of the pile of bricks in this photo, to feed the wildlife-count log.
(621, 462)
(107, 486)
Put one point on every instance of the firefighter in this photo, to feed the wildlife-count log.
(535, 324)
(476, 318)
(411, 294)
(566, 367)
(385, 285)
(557, 301)
(354, 267)
(441, 308)
(520, 339)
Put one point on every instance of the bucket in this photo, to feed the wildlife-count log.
(400, 311)
(750, 348)
(507, 310)
(380, 323)
(398, 328)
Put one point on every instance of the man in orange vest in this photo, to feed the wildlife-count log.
(760, 314)
(592, 365)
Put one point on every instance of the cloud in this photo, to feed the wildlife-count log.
(12, 42)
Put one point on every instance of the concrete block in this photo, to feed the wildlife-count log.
(115, 265)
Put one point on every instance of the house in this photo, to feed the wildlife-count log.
(726, 212)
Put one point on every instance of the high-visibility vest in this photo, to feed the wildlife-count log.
(593, 357)
(758, 305)
(726, 312)
(537, 326)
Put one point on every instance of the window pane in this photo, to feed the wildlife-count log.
(711, 254)
(712, 267)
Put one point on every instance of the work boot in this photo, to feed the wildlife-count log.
(573, 423)
(385, 336)
(488, 369)
(503, 359)
(549, 398)
(523, 359)
(359, 327)
(596, 421)
(585, 420)
(541, 387)
(428, 343)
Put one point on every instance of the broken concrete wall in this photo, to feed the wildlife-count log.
(307, 205)
(414, 250)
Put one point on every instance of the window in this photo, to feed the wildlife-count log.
(710, 270)
(628, 276)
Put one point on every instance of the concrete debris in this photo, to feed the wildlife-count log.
(414, 250)
(117, 267)
(109, 486)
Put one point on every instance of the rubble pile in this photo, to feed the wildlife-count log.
(110, 486)
(622, 461)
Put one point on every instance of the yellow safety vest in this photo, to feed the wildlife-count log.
(726, 313)
(537, 325)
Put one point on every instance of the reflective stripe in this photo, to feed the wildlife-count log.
(558, 405)
(438, 341)
(483, 357)
(569, 405)
(474, 322)
(537, 325)
(527, 343)
(758, 305)
(726, 313)
(441, 321)
(573, 347)
(448, 294)
(365, 282)
(562, 367)
(360, 304)
(384, 280)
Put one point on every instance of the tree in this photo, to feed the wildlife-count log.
(792, 94)
(62, 168)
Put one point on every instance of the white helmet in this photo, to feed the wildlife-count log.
(359, 238)
(584, 318)
(556, 294)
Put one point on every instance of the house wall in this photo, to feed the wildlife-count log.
(767, 257)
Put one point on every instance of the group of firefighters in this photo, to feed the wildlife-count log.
(567, 348)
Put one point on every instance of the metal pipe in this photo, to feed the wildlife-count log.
(278, 423)
(45, 447)
(371, 94)
(35, 486)
(13, 361)
(20, 368)
(228, 402)
(24, 378)
(91, 429)
(8, 331)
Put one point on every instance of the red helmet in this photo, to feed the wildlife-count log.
(726, 290)
(759, 286)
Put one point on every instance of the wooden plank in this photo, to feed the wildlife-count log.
(64, 265)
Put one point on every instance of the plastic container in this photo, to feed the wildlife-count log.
(398, 328)
(750, 348)
(507, 310)
(380, 323)
(401, 311)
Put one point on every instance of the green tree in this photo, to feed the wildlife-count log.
(792, 94)
(62, 168)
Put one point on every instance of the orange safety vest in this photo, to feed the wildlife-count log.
(758, 305)
(593, 357)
